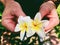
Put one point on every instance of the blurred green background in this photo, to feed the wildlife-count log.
(4, 33)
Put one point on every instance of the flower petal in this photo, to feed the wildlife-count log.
(38, 16)
(45, 23)
(30, 33)
(41, 34)
(27, 19)
(20, 19)
(17, 28)
(22, 35)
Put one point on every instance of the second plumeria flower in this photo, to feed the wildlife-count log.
(38, 25)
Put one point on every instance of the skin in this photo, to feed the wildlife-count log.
(48, 9)
(13, 10)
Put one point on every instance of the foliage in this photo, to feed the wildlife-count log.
(1, 7)
(58, 26)
(58, 10)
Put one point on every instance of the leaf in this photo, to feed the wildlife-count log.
(59, 36)
(58, 9)
(0, 14)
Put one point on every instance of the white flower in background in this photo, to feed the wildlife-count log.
(24, 26)
(38, 25)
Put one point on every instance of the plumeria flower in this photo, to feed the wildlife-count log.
(38, 25)
(30, 27)
(24, 26)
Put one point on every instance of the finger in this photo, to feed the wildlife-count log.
(7, 21)
(53, 41)
(9, 24)
(53, 20)
(52, 24)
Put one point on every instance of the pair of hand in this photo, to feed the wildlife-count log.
(13, 10)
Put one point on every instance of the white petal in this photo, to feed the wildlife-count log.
(30, 33)
(17, 28)
(27, 19)
(45, 23)
(22, 35)
(20, 19)
(38, 16)
(41, 34)
(25, 38)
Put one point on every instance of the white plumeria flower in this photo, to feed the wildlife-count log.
(38, 26)
(24, 26)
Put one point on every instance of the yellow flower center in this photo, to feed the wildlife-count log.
(36, 25)
(24, 27)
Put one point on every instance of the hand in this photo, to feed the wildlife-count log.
(48, 10)
(11, 12)
(53, 20)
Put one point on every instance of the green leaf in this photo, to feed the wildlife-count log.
(59, 36)
(58, 9)
(0, 14)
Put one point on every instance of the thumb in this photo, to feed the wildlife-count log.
(46, 25)
(51, 25)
